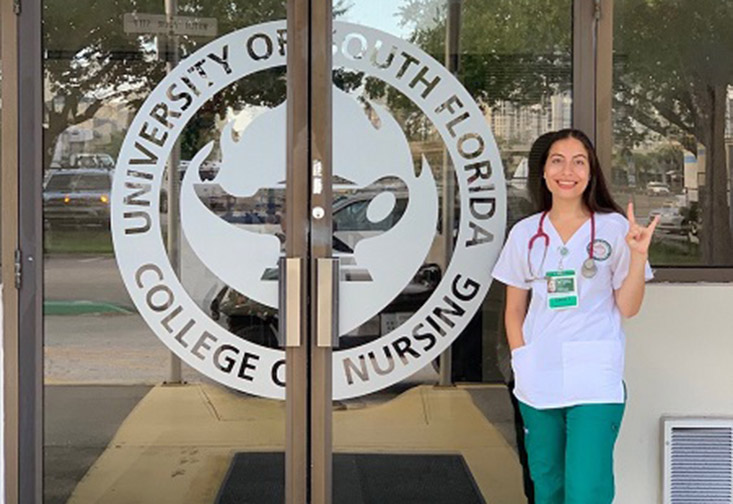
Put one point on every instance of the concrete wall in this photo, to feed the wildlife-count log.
(679, 361)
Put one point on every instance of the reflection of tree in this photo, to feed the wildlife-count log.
(674, 62)
(503, 56)
(91, 62)
(499, 61)
(673, 67)
(511, 50)
(663, 164)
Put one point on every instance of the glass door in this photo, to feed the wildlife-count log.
(171, 128)
(435, 107)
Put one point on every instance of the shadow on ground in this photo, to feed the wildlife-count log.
(80, 420)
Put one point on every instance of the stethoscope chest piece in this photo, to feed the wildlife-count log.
(589, 268)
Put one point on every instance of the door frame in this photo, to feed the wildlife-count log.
(308, 446)
(22, 249)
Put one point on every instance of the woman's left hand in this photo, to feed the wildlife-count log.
(639, 237)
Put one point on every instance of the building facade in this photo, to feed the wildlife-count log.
(227, 266)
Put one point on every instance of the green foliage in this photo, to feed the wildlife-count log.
(510, 50)
(91, 61)
(673, 65)
(668, 54)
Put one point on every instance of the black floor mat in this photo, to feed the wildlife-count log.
(259, 478)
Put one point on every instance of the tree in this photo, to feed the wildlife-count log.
(673, 66)
(672, 69)
(511, 50)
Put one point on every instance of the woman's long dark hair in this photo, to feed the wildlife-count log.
(596, 197)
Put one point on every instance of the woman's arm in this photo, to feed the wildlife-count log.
(631, 293)
(516, 310)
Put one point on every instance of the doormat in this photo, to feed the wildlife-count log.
(259, 478)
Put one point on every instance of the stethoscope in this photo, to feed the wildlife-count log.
(589, 267)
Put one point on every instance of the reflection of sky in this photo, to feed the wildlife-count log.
(379, 14)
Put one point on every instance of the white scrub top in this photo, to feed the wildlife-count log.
(572, 356)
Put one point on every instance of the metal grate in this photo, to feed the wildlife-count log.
(698, 462)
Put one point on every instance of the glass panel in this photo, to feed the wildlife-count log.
(430, 169)
(672, 99)
(127, 134)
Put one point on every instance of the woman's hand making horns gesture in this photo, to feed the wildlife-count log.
(639, 237)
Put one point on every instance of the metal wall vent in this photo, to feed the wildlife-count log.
(698, 461)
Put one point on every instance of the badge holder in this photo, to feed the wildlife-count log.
(562, 290)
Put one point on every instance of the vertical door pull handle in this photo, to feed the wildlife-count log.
(327, 324)
(290, 282)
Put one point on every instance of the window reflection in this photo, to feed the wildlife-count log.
(672, 100)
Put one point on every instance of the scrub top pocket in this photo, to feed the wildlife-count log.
(592, 370)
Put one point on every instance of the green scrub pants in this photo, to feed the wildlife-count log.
(570, 452)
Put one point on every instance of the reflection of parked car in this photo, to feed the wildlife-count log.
(351, 224)
(77, 197)
(657, 189)
(244, 317)
(91, 160)
(674, 219)
(211, 194)
(258, 323)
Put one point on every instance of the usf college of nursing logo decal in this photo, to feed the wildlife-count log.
(371, 152)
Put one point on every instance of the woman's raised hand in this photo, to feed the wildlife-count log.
(639, 237)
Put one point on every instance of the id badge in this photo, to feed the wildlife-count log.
(562, 289)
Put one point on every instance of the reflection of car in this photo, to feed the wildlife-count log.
(91, 160)
(211, 194)
(673, 219)
(259, 323)
(657, 189)
(351, 223)
(77, 196)
(244, 317)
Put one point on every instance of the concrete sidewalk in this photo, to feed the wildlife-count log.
(177, 443)
(113, 348)
(79, 423)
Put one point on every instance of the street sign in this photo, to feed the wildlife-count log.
(180, 25)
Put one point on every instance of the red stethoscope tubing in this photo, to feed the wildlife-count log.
(546, 238)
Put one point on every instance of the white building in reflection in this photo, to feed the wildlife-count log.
(517, 126)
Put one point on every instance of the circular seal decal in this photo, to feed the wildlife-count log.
(601, 249)
(366, 153)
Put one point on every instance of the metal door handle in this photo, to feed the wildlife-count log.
(290, 283)
(327, 332)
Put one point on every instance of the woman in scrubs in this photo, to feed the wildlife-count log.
(585, 265)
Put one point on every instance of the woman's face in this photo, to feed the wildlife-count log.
(567, 169)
